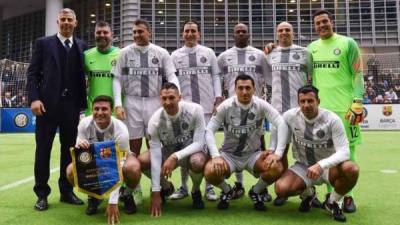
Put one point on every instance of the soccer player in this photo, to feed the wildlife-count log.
(289, 66)
(101, 126)
(337, 74)
(98, 63)
(176, 133)
(199, 78)
(321, 150)
(242, 117)
(140, 70)
(243, 59)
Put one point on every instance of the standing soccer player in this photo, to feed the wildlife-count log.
(242, 117)
(238, 60)
(98, 63)
(337, 74)
(199, 78)
(321, 151)
(140, 70)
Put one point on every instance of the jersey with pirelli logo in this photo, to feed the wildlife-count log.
(236, 61)
(142, 69)
(289, 68)
(198, 75)
(177, 132)
(243, 126)
(317, 139)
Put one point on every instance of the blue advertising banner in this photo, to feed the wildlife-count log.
(17, 120)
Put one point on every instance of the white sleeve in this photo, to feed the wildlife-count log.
(268, 69)
(341, 145)
(198, 137)
(123, 136)
(169, 70)
(212, 126)
(277, 120)
(114, 195)
(117, 71)
(216, 75)
(81, 131)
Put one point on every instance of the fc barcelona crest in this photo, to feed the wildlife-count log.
(387, 110)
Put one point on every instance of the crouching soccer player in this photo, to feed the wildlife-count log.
(101, 126)
(321, 150)
(242, 117)
(176, 139)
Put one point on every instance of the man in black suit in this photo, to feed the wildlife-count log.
(56, 89)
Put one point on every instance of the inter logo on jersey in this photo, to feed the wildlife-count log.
(337, 51)
(154, 60)
(296, 56)
(113, 62)
(320, 133)
(252, 58)
(203, 59)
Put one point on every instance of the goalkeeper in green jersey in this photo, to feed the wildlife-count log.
(337, 74)
(98, 63)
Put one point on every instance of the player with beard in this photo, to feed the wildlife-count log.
(98, 63)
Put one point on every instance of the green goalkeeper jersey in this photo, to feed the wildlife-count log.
(98, 70)
(337, 71)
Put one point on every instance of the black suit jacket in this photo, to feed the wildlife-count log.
(45, 76)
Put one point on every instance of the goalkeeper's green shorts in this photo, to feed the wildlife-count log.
(353, 132)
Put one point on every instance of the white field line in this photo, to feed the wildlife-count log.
(23, 181)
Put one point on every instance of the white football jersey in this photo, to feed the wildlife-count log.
(321, 140)
(198, 75)
(236, 61)
(243, 126)
(289, 68)
(142, 69)
(182, 135)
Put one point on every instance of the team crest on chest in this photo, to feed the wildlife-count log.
(337, 51)
(203, 59)
(296, 56)
(251, 116)
(154, 60)
(185, 125)
(252, 58)
(113, 62)
(320, 133)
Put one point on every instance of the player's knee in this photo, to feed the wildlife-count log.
(210, 174)
(197, 163)
(351, 169)
(281, 188)
(144, 160)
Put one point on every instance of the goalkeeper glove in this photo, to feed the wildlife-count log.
(356, 112)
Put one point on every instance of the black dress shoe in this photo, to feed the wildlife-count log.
(71, 198)
(41, 204)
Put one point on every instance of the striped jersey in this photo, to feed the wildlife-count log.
(289, 68)
(142, 69)
(243, 126)
(236, 61)
(181, 134)
(321, 140)
(198, 75)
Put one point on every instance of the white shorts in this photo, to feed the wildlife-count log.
(238, 164)
(138, 111)
(301, 170)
